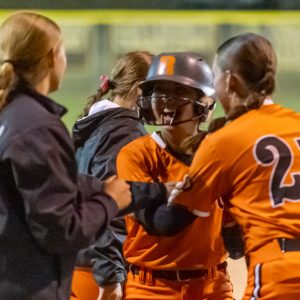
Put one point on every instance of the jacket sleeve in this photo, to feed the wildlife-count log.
(63, 211)
(103, 163)
(107, 252)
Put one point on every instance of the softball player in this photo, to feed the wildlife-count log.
(182, 266)
(254, 163)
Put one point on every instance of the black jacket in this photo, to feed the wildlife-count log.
(47, 212)
(98, 139)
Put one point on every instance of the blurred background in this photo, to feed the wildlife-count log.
(96, 33)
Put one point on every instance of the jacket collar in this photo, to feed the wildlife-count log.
(47, 103)
(102, 105)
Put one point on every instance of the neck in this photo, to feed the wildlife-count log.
(43, 87)
(126, 103)
(175, 137)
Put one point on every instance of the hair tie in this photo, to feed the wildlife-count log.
(7, 61)
(105, 84)
(263, 92)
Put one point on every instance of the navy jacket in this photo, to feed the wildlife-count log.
(47, 211)
(98, 139)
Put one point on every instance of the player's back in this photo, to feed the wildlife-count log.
(263, 146)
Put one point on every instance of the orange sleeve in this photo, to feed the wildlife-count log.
(208, 177)
(131, 165)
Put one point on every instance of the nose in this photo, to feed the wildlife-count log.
(164, 99)
(171, 103)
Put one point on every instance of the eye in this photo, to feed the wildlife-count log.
(181, 91)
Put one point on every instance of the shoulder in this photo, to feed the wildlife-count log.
(140, 150)
(139, 146)
(232, 130)
(283, 112)
(118, 121)
(116, 133)
(26, 112)
(143, 152)
(124, 118)
(25, 117)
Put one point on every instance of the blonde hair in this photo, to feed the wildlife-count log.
(125, 77)
(25, 40)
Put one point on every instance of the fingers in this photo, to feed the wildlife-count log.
(180, 186)
(111, 178)
(187, 182)
(175, 192)
(111, 292)
(170, 186)
(119, 190)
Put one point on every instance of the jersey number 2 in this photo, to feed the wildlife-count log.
(272, 150)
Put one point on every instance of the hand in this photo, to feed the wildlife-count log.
(180, 186)
(112, 291)
(170, 186)
(119, 190)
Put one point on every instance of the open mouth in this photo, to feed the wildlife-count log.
(168, 116)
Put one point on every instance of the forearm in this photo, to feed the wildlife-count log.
(165, 220)
(233, 241)
(145, 196)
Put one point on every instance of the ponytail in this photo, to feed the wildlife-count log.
(216, 124)
(253, 101)
(7, 80)
(105, 86)
(125, 77)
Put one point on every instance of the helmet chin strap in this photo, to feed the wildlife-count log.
(174, 115)
(183, 121)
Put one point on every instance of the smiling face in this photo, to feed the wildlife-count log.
(172, 103)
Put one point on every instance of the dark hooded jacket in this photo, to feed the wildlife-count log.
(98, 139)
(48, 212)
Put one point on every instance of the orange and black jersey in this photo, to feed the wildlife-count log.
(146, 159)
(253, 163)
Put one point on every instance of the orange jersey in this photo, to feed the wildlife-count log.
(197, 246)
(254, 164)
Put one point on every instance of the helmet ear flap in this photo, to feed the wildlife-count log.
(204, 108)
(200, 111)
(144, 110)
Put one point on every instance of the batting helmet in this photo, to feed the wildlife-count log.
(186, 68)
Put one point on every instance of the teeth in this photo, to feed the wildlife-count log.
(168, 112)
(170, 115)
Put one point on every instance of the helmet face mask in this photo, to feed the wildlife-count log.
(169, 110)
(178, 89)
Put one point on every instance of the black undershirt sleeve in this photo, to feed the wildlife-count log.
(164, 220)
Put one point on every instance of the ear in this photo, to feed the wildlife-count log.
(235, 84)
(228, 81)
(51, 58)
